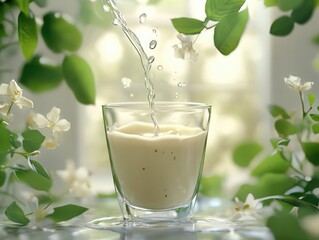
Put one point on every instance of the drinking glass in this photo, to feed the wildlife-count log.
(156, 157)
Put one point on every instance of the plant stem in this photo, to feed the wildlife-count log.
(304, 113)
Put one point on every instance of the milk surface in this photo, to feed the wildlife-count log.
(157, 172)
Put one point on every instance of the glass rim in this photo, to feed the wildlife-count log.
(157, 105)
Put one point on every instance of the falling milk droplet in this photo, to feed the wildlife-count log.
(151, 59)
(159, 67)
(142, 18)
(154, 31)
(153, 44)
(126, 82)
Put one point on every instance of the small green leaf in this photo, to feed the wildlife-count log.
(211, 186)
(304, 12)
(40, 75)
(267, 185)
(311, 99)
(286, 5)
(66, 212)
(23, 5)
(271, 164)
(315, 128)
(32, 140)
(270, 3)
(284, 127)
(14, 140)
(41, 3)
(315, 117)
(286, 226)
(244, 153)
(15, 214)
(33, 179)
(228, 32)
(37, 167)
(276, 111)
(28, 35)
(5, 135)
(276, 142)
(2, 177)
(59, 34)
(282, 26)
(79, 77)
(315, 39)
(188, 25)
(216, 10)
(311, 150)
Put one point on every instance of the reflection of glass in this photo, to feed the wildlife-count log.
(156, 177)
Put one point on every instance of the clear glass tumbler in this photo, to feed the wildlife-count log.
(156, 157)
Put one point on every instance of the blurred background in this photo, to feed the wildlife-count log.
(239, 86)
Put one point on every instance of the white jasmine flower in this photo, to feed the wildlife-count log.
(51, 143)
(52, 121)
(77, 180)
(14, 93)
(184, 49)
(295, 83)
(248, 209)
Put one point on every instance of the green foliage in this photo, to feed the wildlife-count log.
(16, 214)
(67, 212)
(33, 72)
(188, 25)
(311, 150)
(282, 26)
(33, 179)
(286, 5)
(229, 30)
(79, 77)
(277, 111)
(28, 36)
(303, 12)
(285, 127)
(59, 34)
(211, 186)
(245, 152)
(2, 177)
(5, 134)
(32, 140)
(216, 10)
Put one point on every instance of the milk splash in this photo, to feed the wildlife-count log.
(109, 6)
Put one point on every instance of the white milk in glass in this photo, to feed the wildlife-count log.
(157, 172)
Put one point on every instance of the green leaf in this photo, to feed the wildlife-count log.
(33, 179)
(216, 10)
(315, 128)
(304, 12)
(59, 34)
(282, 26)
(5, 134)
(271, 164)
(14, 140)
(286, 5)
(244, 153)
(2, 177)
(284, 127)
(311, 150)
(315, 39)
(23, 5)
(40, 75)
(286, 226)
(270, 3)
(275, 142)
(38, 168)
(229, 30)
(28, 35)
(268, 184)
(41, 3)
(79, 77)
(311, 99)
(188, 25)
(211, 186)
(15, 214)
(32, 140)
(315, 117)
(66, 212)
(276, 111)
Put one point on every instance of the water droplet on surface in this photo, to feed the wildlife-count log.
(159, 67)
(153, 44)
(106, 7)
(181, 84)
(176, 95)
(126, 82)
(142, 18)
(154, 31)
(151, 59)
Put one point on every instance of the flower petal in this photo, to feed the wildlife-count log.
(62, 125)
(54, 114)
(24, 102)
(4, 89)
(40, 120)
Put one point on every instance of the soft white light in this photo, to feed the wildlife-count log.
(109, 48)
